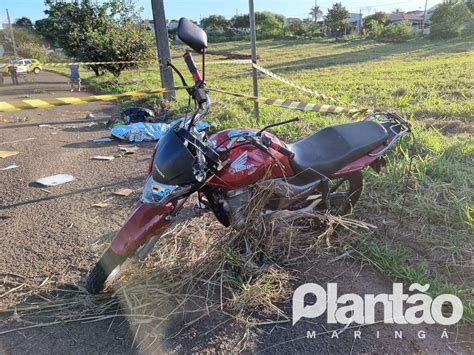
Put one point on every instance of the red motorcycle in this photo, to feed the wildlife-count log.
(321, 172)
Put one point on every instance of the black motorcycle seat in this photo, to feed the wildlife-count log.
(333, 147)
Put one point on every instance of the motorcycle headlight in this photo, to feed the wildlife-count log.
(158, 193)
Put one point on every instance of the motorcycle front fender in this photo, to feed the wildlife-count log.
(144, 221)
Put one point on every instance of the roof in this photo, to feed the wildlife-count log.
(400, 16)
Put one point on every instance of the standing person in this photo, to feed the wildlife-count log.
(74, 77)
(13, 74)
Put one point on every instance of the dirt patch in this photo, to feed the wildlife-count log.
(449, 127)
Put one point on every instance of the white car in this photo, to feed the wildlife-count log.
(24, 66)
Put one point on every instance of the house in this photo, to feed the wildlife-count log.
(415, 20)
(291, 20)
(171, 25)
(354, 22)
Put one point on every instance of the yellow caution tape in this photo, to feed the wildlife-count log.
(231, 61)
(29, 104)
(300, 87)
(298, 105)
(234, 61)
(96, 63)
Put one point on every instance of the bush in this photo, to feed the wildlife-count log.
(397, 32)
(33, 50)
(374, 28)
(449, 20)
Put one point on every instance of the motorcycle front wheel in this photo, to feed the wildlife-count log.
(107, 269)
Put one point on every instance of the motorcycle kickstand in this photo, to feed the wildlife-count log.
(324, 188)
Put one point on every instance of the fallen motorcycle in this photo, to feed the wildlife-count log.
(321, 172)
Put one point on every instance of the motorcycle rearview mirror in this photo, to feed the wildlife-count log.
(193, 35)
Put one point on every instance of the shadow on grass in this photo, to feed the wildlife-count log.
(412, 49)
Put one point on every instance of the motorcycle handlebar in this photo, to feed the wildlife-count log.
(188, 58)
(286, 152)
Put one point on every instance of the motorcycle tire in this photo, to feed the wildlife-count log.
(342, 203)
(106, 269)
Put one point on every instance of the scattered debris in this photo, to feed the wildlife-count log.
(47, 191)
(123, 192)
(89, 116)
(102, 204)
(55, 180)
(103, 157)
(140, 132)
(137, 114)
(128, 150)
(20, 140)
(10, 167)
(53, 133)
(45, 126)
(92, 124)
(102, 140)
(7, 153)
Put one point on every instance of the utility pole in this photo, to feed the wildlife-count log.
(13, 36)
(253, 39)
(424, 18)
(360, 21)
(315, 14)
(164, 56)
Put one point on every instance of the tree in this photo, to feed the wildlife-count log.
(315, 12)
(24, 22)
(470, 5)
(297, 28)
(46, 28)
(336, 18)
(240, 21)
(89, 31)
(378, 17)
(215, 23)
(266, 23)
(448, 19)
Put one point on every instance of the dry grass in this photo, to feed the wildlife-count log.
(198, 270)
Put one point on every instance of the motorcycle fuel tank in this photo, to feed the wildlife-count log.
(245, 164)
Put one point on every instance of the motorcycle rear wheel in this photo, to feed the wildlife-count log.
(345, 192)
(107, 269)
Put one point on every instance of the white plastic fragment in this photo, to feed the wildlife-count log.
(10, 167)
(101, 140)
(103, 157)
(55, 180)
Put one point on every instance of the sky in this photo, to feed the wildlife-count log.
(197, 9)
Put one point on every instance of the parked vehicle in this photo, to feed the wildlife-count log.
(24, 66)
(321, 172)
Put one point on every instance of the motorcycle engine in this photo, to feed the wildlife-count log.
(229, 206)
(236, 202)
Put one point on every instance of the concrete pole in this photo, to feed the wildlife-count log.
(164, 55)
(424, 18)
(15, 52)
(253, 39)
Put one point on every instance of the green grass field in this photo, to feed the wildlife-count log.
(423, 203)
